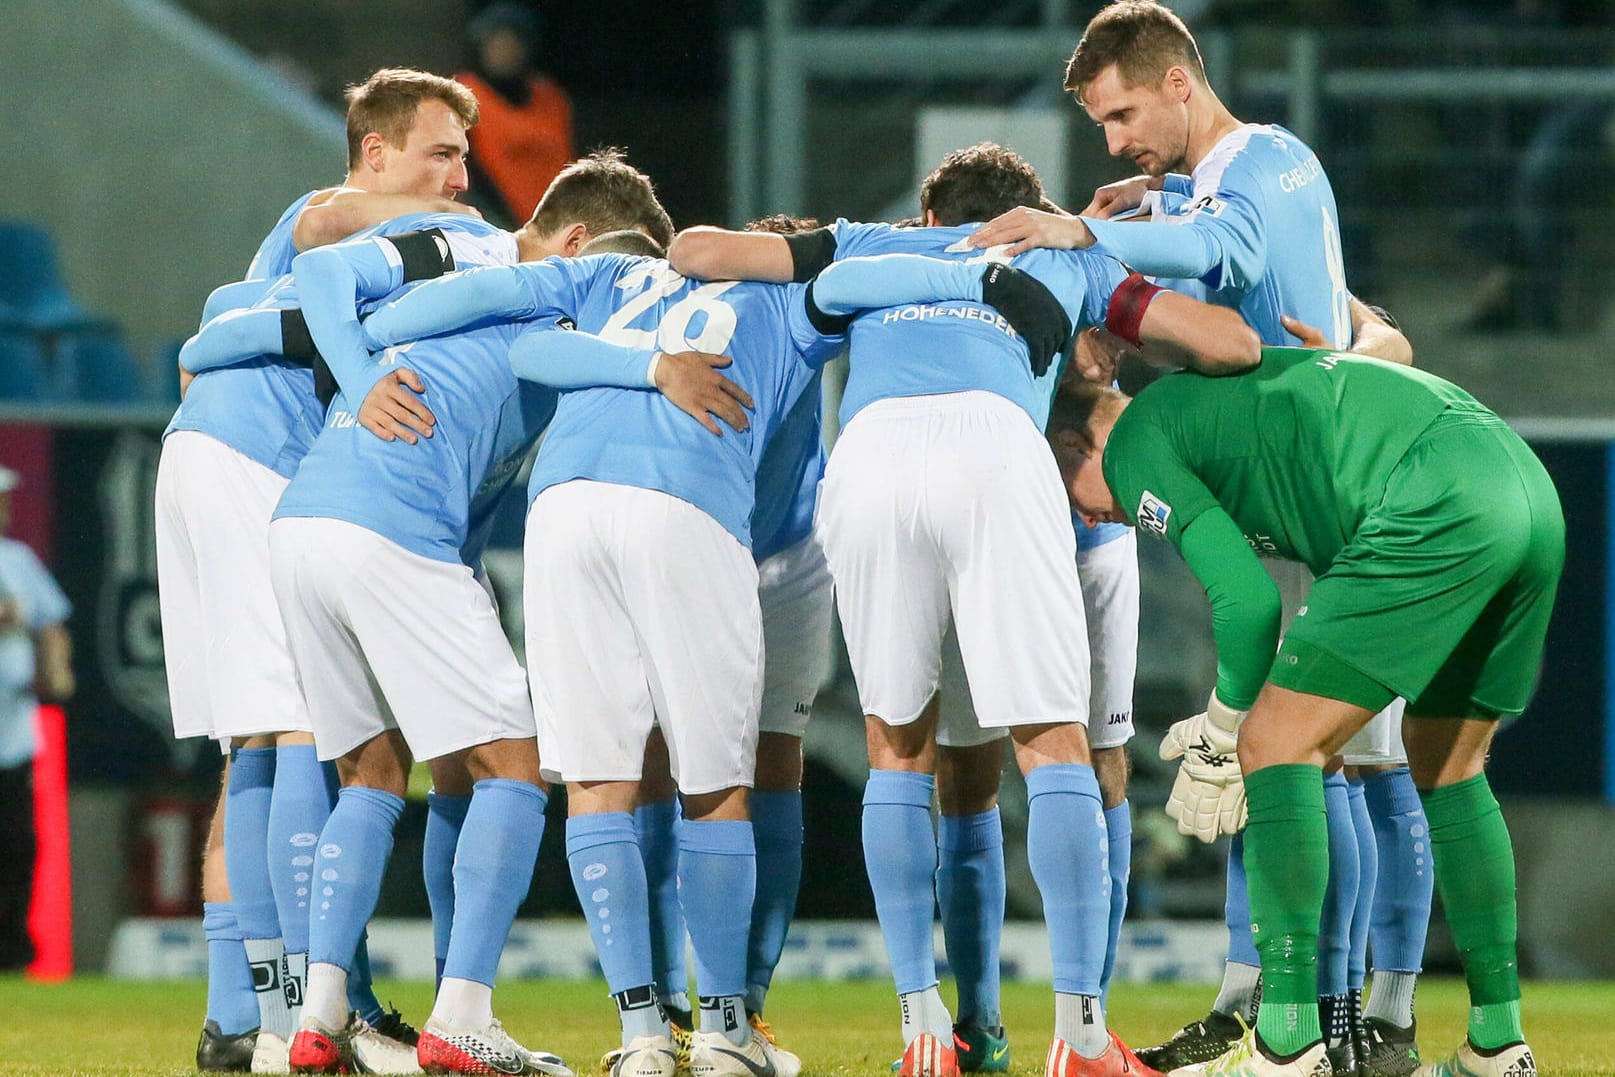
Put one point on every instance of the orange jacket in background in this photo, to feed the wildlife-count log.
(521, 147)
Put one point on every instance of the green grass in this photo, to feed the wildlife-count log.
(108, 1028)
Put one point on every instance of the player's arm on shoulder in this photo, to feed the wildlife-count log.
(237, 336)
(455, 301)
(1245, 604)
(334, 214)
(1373, 333)
(1177, 331)
(707, 253)
(234, 296)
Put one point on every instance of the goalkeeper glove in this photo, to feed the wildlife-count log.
(1208, 795)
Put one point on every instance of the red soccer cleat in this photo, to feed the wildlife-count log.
(1117, 1061)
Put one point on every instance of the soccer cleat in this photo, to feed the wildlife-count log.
(1514, 1060)
(755, 1020)
(1247, 1059)
(388, 1046)
(645, 1056)
(681, 1049)
(1200, 1041)
(981, 1049)
(928, 1056)
(218, 1053)
(712, 1054)
(270, 1054)
(486, 1050)
(317, 1049)
(1388, 1051)
(1117, 1061)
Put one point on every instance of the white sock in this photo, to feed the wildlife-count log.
(1080, 1021)
(296, 985)
(1238, 992)
(326, 1001)
(1392, 997)
(463, 1004)
(268, 960)
(725, 1014)
(924, 1011)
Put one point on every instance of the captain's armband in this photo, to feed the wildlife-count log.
(811, 251)
(296, 343)
(424, 254)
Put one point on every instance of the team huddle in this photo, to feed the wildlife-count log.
(356, 408)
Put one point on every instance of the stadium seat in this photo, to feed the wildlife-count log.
(96, 365)
(32, 291)
(22, 364)
(165, 370)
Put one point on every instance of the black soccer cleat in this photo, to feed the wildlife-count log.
(1201, 1041)
(218, 1053)
(1391, 1051)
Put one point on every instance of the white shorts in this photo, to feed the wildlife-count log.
(796, 596)
(387, 639)
(640, 607)
(952, 504)
(229, 669)
(1109, 576)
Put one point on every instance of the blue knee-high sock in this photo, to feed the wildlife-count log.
(776, 824)
(656, 824)
(445, 815)
(1119, 830)
(1236, 908)
(900, 857)
(609, 876)
(361, 993)
(231, 1002)
(1066, 846)
(1406, 871)
(1367, 879)
(348, 865)
(970, 889)
(297, 814)
(717, 884)
(1334, 936)
(247, 800)
(493, 868)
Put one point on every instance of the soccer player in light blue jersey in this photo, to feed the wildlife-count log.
(628, 636)
(229, 451)
(937, 503)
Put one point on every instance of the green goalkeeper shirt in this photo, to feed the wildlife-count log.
(1284, 461)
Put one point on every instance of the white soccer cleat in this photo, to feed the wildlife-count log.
(271, 1054)
(1515, 1060)
(1245, 1059)
(646, 1056)
(713, 1055)
(387, 1047)
(489, 1049)
(546, 1063)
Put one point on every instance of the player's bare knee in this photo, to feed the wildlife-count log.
(450, 775)
(594, 798)
(382, 763)
(909, 747)
(515, 758)
(967, 778)
(724, 805)
(1111, 767)
(1444, 751)
(1050, 743)
(287, 740)
(779, 763)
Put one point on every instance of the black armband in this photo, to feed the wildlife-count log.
(831, 325)
(325, 386)
(425, 254)
(811, 251)
(296, 344)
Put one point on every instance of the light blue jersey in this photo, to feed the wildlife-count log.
(788, 477)
(275, 253)
(954, 347)
(1254, 228)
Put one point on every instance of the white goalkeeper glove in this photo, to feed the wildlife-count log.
(1208, 796)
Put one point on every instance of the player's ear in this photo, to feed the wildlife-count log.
(574, 238)
(370, 151)
(1178, 84)
(930, 218)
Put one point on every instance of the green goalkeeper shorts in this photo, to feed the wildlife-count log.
(1443, 594)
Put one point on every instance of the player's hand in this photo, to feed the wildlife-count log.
(1208, 795)
(1028, 305)
(1311, 336)
(1024, 228)
(692, 382)
(1098, 355)
(393, 409)
(1121, 196)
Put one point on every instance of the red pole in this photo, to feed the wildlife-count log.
(50, 916)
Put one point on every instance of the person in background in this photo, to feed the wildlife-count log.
(35, 667)
(525, 136)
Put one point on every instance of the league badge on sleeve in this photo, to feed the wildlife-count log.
(1152, 513)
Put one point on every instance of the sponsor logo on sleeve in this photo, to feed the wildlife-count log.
(1153, 513)
(1210, 205)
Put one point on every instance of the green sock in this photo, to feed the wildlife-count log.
(1475, 875)
(1287, 868)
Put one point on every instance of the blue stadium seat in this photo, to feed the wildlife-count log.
(165, 370)
(96, 365)
(22, 364)
(32, 291)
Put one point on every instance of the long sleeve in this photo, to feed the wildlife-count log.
(454, 301)
(571, 359)
(892, 280)
(233, 337)
(1245, 604)
(330, 283)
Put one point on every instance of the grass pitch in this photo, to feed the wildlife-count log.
(108, 1028)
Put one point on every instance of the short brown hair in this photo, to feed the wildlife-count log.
(782, 224)
(978, 183)
(605, 193)
(386, 103)
(1143, 39)
(1076, 401)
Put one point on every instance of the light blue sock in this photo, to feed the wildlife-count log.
(717, 884)
(348, 865)
(657, 826)
(1119, 830)
(776, 824)
(1066, 846)
(970, 889)
(1367, 880)
(1236, 908)
(297, 814)
(493, 868)
(1334, 936)
(247, 801)
(609, 876)
(445, 815)
(1406, 871)
(900, 856)
(231, 1002)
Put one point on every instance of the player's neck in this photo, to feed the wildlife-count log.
(1208, 125)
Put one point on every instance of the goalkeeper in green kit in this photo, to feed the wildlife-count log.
(1437, 541)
